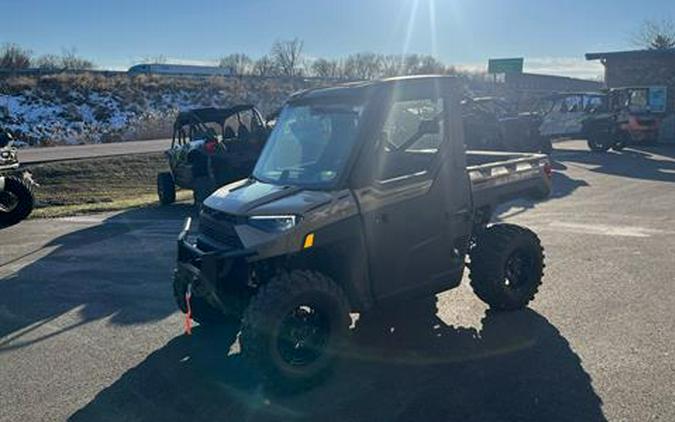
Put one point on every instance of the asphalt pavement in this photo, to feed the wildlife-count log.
(76, 152)
(89, 330)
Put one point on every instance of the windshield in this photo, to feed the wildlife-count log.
(310, 144)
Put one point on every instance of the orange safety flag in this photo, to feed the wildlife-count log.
(188, 314)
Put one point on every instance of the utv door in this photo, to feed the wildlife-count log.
(411, 206)
(565, 118)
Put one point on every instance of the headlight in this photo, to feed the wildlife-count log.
(273, 223)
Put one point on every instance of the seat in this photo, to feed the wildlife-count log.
(244, 133)
(228, 133)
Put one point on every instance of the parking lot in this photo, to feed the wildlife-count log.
(89, 329)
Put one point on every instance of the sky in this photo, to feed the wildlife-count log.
(552, 36)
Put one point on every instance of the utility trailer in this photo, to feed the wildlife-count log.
(364, 195)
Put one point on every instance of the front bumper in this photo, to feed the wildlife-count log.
(203, 269)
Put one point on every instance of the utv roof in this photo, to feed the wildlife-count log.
(208, 115)
(567, 94)
(356, 89)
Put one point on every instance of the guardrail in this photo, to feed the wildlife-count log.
(41, 72)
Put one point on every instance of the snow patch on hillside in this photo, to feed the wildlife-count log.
(89, 109)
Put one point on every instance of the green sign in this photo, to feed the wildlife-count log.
(505, 65)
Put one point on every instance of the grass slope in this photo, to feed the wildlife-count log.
(101, 184)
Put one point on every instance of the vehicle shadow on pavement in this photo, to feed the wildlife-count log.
(655, 163)
(117, 269)
(405, 366)
(562, 185)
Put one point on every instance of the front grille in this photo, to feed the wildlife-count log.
(219, 231)
(219, 215)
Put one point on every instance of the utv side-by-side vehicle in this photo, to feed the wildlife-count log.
(619, 117)
(16, 187)
(492, 124)
(210, 148)
(581, 115)
(364, 195)
(639, 111)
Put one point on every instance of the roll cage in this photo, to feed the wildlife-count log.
(198, 122)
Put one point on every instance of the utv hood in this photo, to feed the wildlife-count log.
(248, 197)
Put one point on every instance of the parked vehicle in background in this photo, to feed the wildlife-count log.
(639, 111)
(16, 187)
(491, 123)
(210, 148)
(612, 119)
(364, 195)
(581, 115)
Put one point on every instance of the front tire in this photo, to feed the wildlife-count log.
(294, 327)
(166, 189)
(546, 145)
(507, 264)
(16, 201)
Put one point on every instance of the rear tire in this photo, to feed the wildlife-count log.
(166, 189)
(293, 329)
(623, 139)
(507, 264)
(16, 201)
(618, 145)
(597, 144)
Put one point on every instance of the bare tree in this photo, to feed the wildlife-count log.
(655, 34)
(237, 64)
(324, 68)
(428, 65)
(264, 66)
(71, 61)
(48, 62)
(362, 66)
(13, 57)
(287, 56)
(391, 65)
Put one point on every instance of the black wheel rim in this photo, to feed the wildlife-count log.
(303, 335)
(8, 201)
(518, 270)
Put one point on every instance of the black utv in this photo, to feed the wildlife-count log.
(210, 148)
(493, 124)
(363, 196)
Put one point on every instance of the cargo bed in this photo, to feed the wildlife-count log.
(498, 177)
